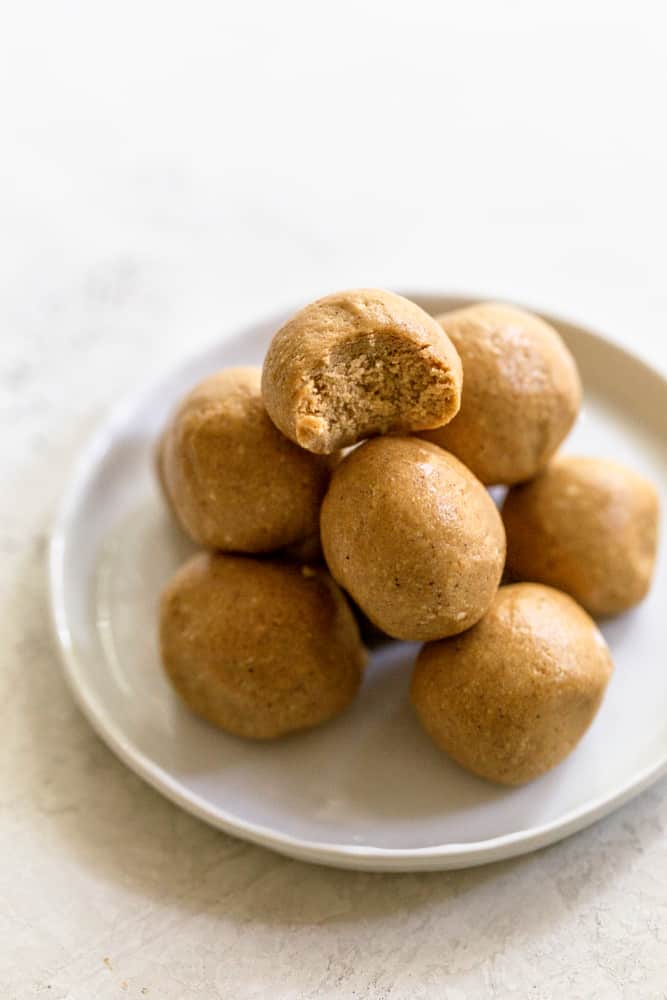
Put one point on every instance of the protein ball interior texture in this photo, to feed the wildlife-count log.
(258, 647)
(234, 481)
(521, 392)
(512, 697)
(357, 364)
(413, 537)
(587, 526)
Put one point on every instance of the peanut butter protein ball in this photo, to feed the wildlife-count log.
(233, 480)
(587, 526)
(356, 364)
(511, 698)
(521, 392)
(258, 647)
(413, 537)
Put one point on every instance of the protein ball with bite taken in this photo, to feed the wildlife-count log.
(258, 647)
(587, 526)
(512, 697)
(413, 537)
(356, 364)
(521, 392)
(233, 480)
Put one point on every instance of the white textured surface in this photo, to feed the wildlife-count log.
(165, 174)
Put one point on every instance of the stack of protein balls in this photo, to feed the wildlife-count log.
(357, 463)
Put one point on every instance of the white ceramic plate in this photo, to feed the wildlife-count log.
(367, 790)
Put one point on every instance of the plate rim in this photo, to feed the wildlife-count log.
(366, 857)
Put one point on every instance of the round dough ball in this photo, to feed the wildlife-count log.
(357, 364)
(587, 526)
(414, 538)
(234, 481)
(513, 696)
(258, 647)
(521, 392)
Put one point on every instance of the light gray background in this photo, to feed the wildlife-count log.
(168, 171)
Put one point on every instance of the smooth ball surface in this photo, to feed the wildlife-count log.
(413, 537)
(257, 647)
(356, 364)
(521, 392)
(587, 526)
(233, 480)
(512, 697)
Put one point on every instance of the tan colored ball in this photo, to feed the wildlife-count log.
(587, 526)
(511, 698)
(413, 537)
(258, 647)
(233, 480)
(356, 364)
(521, 392)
